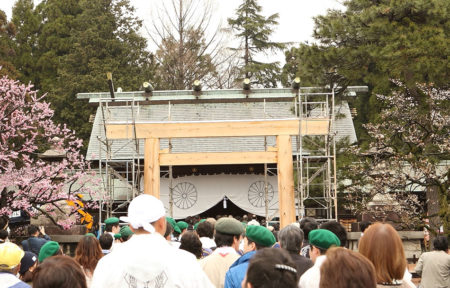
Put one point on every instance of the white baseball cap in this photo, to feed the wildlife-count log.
(143, 210)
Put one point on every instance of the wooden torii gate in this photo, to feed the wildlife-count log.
(152, 132)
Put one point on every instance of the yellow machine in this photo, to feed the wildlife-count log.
(86, 218)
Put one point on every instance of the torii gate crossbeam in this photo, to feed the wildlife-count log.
(152, 132)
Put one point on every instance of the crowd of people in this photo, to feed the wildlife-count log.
(152, 250)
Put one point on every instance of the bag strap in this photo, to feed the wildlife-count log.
(30, 247)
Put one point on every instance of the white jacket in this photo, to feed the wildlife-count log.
(148, 260)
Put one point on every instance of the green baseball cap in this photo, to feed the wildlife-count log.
(260, 235)
(196, 224)
(229, 226)
(173, 224)
(112, 220)
(182, 225)
(125, 231)
(49, 249)
(323, 239)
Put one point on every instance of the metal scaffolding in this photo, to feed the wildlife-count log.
(120, 177)
(314, 157)
(315, 160)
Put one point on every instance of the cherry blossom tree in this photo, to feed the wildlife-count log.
(28, 182)
(409, 155)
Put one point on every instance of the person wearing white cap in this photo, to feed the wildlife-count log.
(147, 259)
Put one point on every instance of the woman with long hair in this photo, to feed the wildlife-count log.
(345, 268)
(382, 245)
(87, 254)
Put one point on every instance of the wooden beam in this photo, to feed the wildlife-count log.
(285, 181)
(175, 159)
(151, 167)
(217, 129)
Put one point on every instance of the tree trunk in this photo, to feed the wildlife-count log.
(433, 208)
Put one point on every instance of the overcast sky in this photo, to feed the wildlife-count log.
(295, 22)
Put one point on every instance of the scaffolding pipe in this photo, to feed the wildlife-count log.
(170, 171)
(266, 187)
(334, 164)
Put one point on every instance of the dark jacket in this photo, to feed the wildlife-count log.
(236, 274)
(35, 243)
(302, 263)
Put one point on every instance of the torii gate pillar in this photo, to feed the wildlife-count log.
(285, 172)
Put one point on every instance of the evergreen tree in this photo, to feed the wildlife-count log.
(7, 32)
(27, 22)
(254, 30)
(100, 37)
(372, 42)
(54, 42)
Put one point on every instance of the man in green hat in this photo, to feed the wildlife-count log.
(49, 249)
(320, 240)
(256, 237)
(125, 233)
(182, 226)
(228, 234)
(112, 226)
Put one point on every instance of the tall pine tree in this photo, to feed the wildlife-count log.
(7, 33)
(254, 30)
(371, 42)
(54, 42)
(28, 23)
(79, 42)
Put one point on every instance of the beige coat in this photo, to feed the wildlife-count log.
(217, 264)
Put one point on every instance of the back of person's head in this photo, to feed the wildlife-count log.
(10, 257)
(88, 252)
(106, 241)
(59, 271)
(382, 245)
(146, 214)
(440, 243)
(169, 230)
(3, 234)
(363, 225)
(308, 224)
(191, 243)
(4, 221)
(109, 227)
(211, 220)
(32, 230)
(49, 249)
(271, 268)
(344, 268)
(224, 240)
(227, 230)
(27, 265)
(337, 229)
(291, 238)
(205, 229)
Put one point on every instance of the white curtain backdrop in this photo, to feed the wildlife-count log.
(195, 194)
